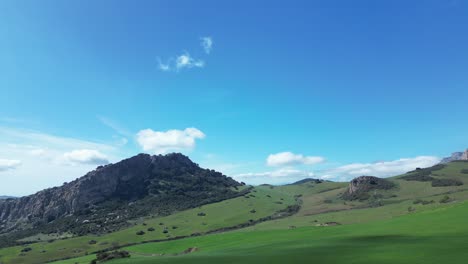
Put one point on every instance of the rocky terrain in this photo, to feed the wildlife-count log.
(456, 156)
(111, 194)
(359, 187)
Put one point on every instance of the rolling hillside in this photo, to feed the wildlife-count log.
(260, 222)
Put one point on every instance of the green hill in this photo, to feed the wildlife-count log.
(402, 223)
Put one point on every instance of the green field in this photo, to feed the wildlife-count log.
(263, 200)
(434, 236)
(398, 230)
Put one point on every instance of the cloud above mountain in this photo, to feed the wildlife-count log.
(161, 142)
(86, 156)
(7, 164)
(290, 159)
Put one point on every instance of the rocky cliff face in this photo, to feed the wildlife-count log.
(456, 156)
(359, 187)
(143, 180)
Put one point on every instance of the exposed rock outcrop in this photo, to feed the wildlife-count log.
(456, 156)
(359, 187)
(143, 180)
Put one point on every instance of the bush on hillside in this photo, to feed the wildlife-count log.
(423, 202)
(422, 177)
(26, 249)
(446, 199)
(464, 171)
(446, 182)
(106, 256)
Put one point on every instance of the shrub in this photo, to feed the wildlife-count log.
(445, 199)
(423, 202)
(201, 214)
(26, 249)
(106, 256)
(92, 242)
(253, 211)
(464, 171)
(151, 229)
(165, 231)
(418, 177)
(140, 233)
(446, 182)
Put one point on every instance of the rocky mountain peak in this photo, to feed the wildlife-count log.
(145, 180)
(456, 156)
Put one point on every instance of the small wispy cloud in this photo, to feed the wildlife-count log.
(207, 44)
(182, 61)
(163, 66)
(185, 60)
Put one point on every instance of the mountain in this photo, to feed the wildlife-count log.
(303, 215)
(2, 197)
(306, 180)
(104, 199)
(456, 156)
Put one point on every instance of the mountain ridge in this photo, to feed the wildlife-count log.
(135, 186)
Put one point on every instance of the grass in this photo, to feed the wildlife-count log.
(227, 213)
(428, 233)
(433, 236)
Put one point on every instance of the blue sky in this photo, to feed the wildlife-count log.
(326, 89)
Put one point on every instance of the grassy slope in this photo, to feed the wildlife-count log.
(218, 215)
(439, 235)
(321, 204)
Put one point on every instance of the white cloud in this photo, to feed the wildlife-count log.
(186, 61)
(284, 172)
(164, 66)
(380, 169)
(86, 156)
(280, 176)
(37, 152)
(43, 164)
(161, 142)
(6, 164)
(207, 44)
(342, 173)
(183, 61)
(289, 158)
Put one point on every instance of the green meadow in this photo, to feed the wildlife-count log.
(439, 235)
(411, 223)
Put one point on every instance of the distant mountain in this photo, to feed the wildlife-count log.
(5, 197)
(456, 156)
(104, 199)
(306, 180)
